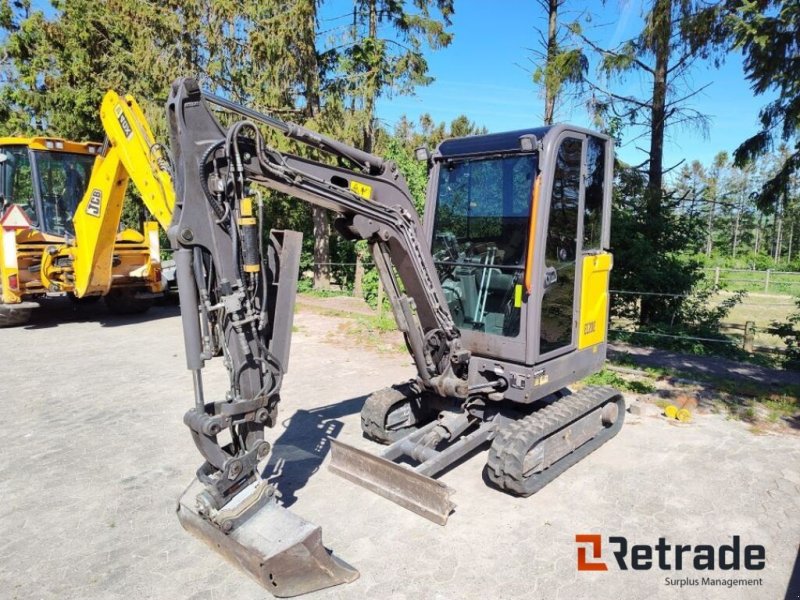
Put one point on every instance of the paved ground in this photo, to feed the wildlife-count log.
(708, 366)
(95, 454)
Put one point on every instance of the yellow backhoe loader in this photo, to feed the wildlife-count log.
(60, 220)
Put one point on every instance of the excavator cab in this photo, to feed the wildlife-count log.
(518, 223)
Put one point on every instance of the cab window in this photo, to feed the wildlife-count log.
(479, 239)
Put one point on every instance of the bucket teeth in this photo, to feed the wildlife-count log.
(278, 549)
(416, 492)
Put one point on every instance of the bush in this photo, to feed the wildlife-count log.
(790, 332)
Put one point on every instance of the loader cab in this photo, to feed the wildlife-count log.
(47, 178)
(518, 225)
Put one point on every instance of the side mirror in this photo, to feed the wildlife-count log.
(422, 154)
(3, 157)
(550, 276)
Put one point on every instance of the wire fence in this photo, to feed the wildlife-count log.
(768, 281)
(769, 299)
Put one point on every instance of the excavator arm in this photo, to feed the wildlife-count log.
(239, 288)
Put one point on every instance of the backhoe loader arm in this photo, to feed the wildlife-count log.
(130, 153)
(215, 168)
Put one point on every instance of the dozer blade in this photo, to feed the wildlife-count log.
(418, 493)
(281, 551)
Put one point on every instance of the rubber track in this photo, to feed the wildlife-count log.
(377, 406)
(513, 441)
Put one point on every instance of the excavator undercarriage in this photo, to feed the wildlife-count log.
(502, 297)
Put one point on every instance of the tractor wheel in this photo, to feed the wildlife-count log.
(125, 302)
(13, 316)
(85, 301)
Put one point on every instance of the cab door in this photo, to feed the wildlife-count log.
(561, 268)
(574, 273)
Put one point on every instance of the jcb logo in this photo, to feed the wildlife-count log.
(583, 563)
(95, 202)
(123, 121)
(590, 327)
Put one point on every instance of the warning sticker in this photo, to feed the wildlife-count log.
(93, 208)
(15, 218)
(362, 189)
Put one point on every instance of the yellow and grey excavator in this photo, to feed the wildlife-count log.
(502, 297)
(62, 205)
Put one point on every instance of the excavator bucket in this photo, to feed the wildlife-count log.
(281, 551)
(409, 488)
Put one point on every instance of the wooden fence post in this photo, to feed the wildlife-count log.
(749, 335)
(716, 277)
(766, 285)
(380, 299)
(358, 288)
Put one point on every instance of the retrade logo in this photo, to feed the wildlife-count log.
(682, 565)
(663, 556)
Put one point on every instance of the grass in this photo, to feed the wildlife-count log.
(325, 293)
(379, 332)
(609, 378)
(754, 281)
(762, 310)
(740, 400)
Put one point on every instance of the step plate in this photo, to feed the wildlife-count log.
(420, 494)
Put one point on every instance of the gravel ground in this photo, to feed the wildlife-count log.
(95, 456)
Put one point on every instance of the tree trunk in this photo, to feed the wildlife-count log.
(662, 31)
(710, 228)
(322, 235)
(758, 234)
(371, 90)
(552, 49)
(777, 230)
(319, 216)
(661, 34)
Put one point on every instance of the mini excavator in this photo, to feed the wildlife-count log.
(502, 297)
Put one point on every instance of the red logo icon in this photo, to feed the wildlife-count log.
(583, 564)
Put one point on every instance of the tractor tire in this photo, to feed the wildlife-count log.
(126, 303)
(11, 316)
(85, 301)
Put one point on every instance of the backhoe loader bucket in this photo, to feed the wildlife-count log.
(281, 551)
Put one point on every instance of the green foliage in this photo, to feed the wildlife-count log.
(612, 379)
(790, 332)
(649, 254)
(414, 171)
(765, 32)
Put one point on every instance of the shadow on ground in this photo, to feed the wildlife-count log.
(52, 312)
(300, 450)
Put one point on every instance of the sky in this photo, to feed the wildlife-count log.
(485, 74)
